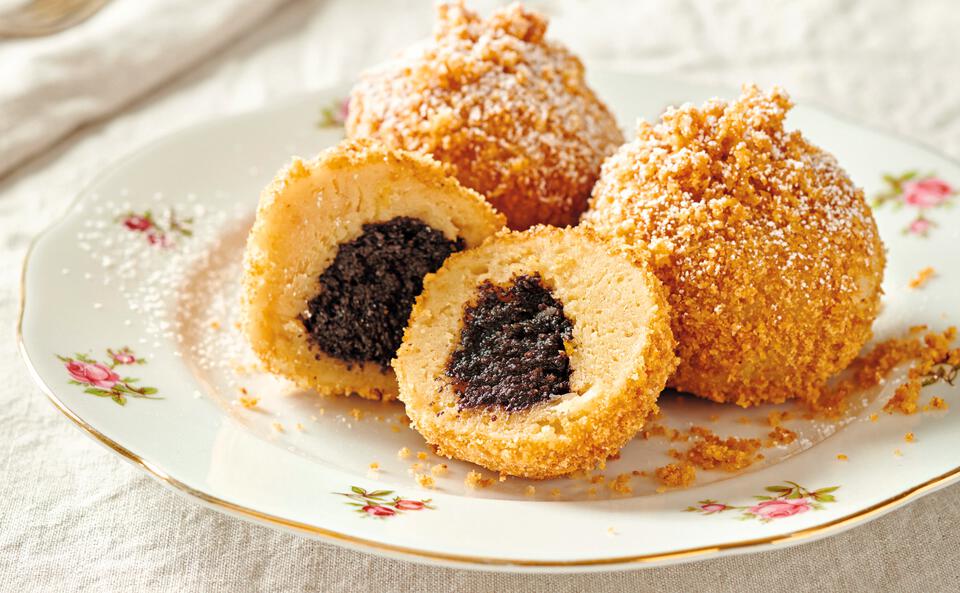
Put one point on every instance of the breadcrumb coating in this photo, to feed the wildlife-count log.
(509, 111)
(770, 253)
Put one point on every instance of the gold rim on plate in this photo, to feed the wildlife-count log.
(225, 506)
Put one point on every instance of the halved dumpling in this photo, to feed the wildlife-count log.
(337, 256)
(537, 354)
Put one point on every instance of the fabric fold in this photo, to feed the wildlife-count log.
(51, 85)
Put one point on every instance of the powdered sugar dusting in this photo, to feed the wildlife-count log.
(507, 109)
(147, 273)
(770, 252)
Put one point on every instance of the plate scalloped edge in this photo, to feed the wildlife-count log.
(802, 535)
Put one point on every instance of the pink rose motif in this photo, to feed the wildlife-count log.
(138, 223)
(158, 239)
(920, 226)
(124, 357)
(713, 507)
(926, 193)
(409, 505)
(379, 511)
(779, 508)
(96, 374)
(344, 110)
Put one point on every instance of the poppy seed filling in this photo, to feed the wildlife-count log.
(512, 352)
(367, 292)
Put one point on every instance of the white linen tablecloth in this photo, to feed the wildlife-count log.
(74, 517)
(51, 85)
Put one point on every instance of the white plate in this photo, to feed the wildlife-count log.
(93, 286)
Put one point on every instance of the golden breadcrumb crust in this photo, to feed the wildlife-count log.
(771, 256)
(508, 110)
(308, 210)
(621, 354)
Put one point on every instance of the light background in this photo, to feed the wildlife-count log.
(74, 517)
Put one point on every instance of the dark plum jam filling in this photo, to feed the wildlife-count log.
(366, 294)
(511, 354)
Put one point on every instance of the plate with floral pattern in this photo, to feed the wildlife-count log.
(129, 325)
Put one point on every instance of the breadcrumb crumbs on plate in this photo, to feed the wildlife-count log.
(425, 481)
(621, 484)
(710, 451)
(215, 325)
(910, 437)
(530, 491)
(277, 426)
(298, 426)
(475, 480)
(922, 277)
(554, 493)
(403, 453)
(781, 436)
(374, 466)
(676, 475)
(936, 403)
(898, 452)
(904, 400)
(932, 354)
(874, 417)
(421, 455)
(414, 468)
(441, 469)
(842, 457)
(597, 479)
(356, 413)
(659, 430)
(248, 402)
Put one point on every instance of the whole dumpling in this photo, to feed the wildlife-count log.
(769, 251)
(507, 110)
